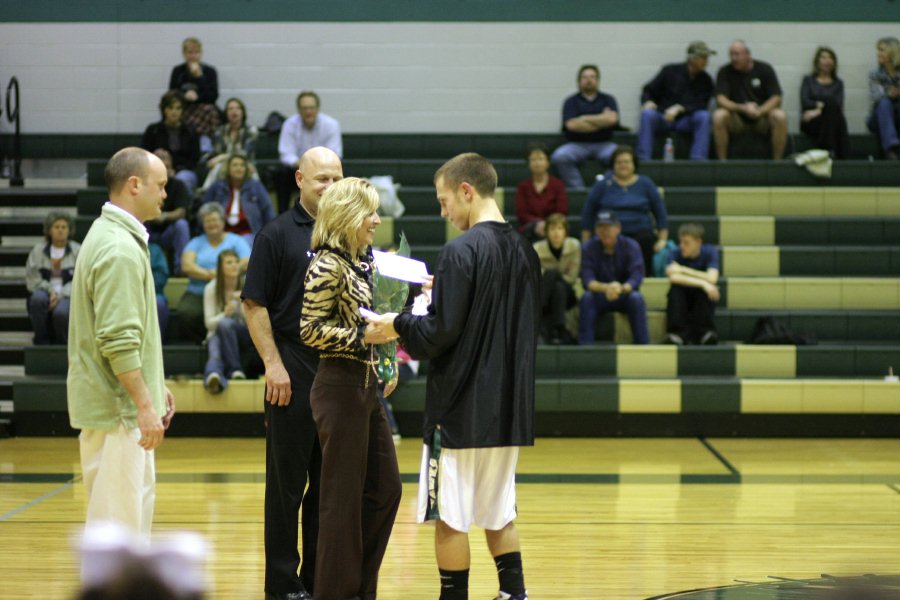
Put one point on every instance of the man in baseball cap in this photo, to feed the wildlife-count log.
(677, 99)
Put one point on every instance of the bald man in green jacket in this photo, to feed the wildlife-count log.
(116, 385)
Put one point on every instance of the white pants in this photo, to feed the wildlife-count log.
(120, 478)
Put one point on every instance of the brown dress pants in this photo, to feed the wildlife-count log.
(360, 486)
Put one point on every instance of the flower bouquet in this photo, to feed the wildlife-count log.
(389, 297)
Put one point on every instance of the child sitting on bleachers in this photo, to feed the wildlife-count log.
(228, 334)
(693, 272)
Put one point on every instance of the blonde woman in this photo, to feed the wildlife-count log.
(360, 485)
(884, 90)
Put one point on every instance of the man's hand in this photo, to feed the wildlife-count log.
(278, 385)
(712, 292)
(151, 427)
(170, 409)
(613, 291)
(751, 109)
(54, 301)
(672, 112)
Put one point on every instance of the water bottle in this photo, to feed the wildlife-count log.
(669, 151)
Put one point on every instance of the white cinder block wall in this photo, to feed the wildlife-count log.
(396, 77)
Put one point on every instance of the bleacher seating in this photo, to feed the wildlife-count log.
(821, 256)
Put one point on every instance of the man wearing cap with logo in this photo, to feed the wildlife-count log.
(677, 99)
(612, 269)
(749, 99)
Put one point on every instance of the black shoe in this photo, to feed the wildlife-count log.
(301, 595)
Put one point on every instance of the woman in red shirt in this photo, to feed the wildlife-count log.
(540, 196)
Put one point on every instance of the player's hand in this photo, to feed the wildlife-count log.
(151, 427)
(428, 284)
(712, 292)
(278, 385)
(170, 409)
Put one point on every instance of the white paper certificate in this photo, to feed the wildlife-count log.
(400, 267)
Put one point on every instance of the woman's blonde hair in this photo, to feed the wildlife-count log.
(342, 209)
(892, 46)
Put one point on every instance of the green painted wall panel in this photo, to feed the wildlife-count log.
(46, 11)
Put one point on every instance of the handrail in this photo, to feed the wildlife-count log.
(12, 115)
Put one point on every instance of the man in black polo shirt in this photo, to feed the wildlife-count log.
(589, 118)
(749, 99)
(273, 295)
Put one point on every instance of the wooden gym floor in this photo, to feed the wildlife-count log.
(599, 518)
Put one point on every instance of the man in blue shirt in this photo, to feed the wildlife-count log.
(693, 272)
(612, 269)
(589, 118)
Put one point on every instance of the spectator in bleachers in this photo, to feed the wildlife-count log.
(884, 89)
(199, 84)
(307, 129)
(560, 257)
(171, 229)
(159, 265)
(822, 105)
(48, 277)
(234, 137)
(749, 98)
(245, 200)
(199, 264)
(228, 335)
(541, 195)
(589, 118)
(693, 272)
(637, 202)
(677, 99)
(176, 136)
(612, 269)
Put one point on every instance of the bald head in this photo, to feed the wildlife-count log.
(319, 168)
(126, 163)
(739, 54)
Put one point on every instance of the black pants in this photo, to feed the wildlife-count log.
(360, 491)
(646, 240)
(293, 457)
(557, 296)
(285, 182)
(689, 313)
(829, 131)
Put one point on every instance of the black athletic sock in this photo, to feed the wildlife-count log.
(454, 585)
(509, 571)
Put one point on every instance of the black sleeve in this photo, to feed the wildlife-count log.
(653, 90)
(208, 86)
(191, 146)
(433, 334)
(699, 100)
(180, 197)
(773, 88)
(807, 102)
(148, 140)
(175, 78)
(723, 86)
(262, 272)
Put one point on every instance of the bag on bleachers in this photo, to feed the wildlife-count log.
(769, 330)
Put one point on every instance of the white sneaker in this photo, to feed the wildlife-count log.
(213, 383)
(238, 375)
(505, 596)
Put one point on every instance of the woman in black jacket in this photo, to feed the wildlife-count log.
(174, 135)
